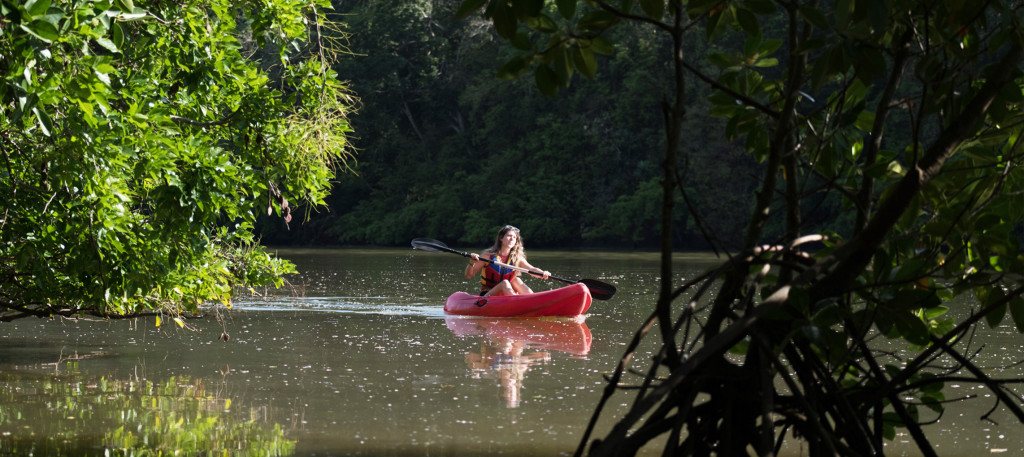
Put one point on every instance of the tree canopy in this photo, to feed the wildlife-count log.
(449, 151)
(905, 114)
(140, 139)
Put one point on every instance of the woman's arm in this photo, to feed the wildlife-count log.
(475, 264)
(522, 263)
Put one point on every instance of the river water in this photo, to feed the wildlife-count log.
(356, 357)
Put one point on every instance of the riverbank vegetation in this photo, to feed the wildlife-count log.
(904, 114)
(138, 141)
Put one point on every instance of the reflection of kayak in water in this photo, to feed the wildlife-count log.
(569, 301)
(555, 335)
(510, 346)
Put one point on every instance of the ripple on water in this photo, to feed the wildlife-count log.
(345, 305)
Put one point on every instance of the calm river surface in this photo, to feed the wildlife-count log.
(358, 358)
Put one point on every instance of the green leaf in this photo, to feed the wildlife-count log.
(934, 400)
(527, 8)
(117, 35)
(515, 67)
(561, 62)
(546, 80)
(910, 327)
(125, 5)
(826, 67)
(989, 296)
(542, 23)
(469, 7)
(870, 64)
(769, 46)
(584, 61)
(106, 43)
(45, 123)
(601, 45)
(104, 68)
(654, 9)
(504, 20)
(814, 16)
(723, 60)
(41, 29)
(760, 6)
(931, 387)
(567, 8)
(37, 7)
(1017, 312)
(696, 8)
(935, 312)
(741, 347)
(748, 22)
(799, 300)
(522, 42)
(598, 21)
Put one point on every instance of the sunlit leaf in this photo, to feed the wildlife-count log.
(108, 44)
(36, 7)
(125, 5)
(41, 29)
(45, 123)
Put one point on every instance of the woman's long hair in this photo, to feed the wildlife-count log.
(515, 253)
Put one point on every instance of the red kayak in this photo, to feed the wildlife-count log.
(569, 301)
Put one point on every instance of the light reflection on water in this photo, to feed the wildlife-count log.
(351, 305)
(356, 357)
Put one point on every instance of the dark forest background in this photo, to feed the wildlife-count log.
(447, 149)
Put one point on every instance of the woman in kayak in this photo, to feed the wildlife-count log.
(499, 280)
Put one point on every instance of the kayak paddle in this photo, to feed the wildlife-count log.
(599, 290)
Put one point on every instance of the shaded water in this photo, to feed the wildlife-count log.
(358, 358)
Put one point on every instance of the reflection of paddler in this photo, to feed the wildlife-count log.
(506, 360)
(509, 347)
(561, 335)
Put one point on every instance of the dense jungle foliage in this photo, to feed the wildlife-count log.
(447, 149)
(139, 140)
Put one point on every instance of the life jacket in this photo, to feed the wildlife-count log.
(493, 274)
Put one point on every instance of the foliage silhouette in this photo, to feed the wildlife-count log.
(904, 114)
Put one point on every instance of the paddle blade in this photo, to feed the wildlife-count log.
(599, 290)
(427, 244)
